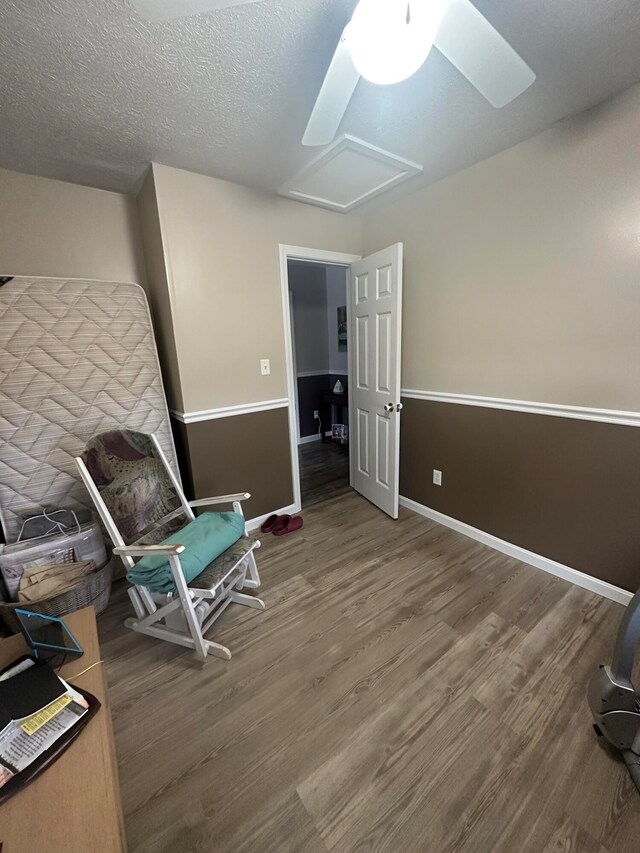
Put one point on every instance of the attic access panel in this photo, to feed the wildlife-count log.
(348, 173)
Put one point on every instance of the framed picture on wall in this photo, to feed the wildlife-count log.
(342, 328)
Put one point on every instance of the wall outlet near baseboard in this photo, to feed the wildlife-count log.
(316, 414)
(437, 477)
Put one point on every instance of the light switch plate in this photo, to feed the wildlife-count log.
(265, 366)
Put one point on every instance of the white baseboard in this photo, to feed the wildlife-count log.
(315, 437)
(255, 523)
(608, 590)
(307, 439)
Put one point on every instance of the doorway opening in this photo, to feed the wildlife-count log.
(374, 325)
(315, 304)
(318, 305)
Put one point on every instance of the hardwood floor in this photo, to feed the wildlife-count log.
(407, 689)
(324, 472)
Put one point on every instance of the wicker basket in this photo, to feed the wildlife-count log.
(92, 589)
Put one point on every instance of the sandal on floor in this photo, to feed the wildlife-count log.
(270, 523)
(282, 521)
(292, 524)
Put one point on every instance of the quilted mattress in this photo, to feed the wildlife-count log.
(76, 358)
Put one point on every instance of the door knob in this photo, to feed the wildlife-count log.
(388, 407)
(399, 406)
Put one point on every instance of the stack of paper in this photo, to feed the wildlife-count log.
(36, 709)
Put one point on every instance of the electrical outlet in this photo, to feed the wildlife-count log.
(437, 477)
(316, 415)
(265, 366)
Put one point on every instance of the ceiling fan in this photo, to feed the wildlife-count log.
(387, 41)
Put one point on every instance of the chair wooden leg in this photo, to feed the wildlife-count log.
(252, 581)
(189, 610)
(217, 650)
(166, 634)
(247, 600)
(135, 599)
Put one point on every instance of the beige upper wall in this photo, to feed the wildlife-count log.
(522, 273)
(158, 289)
(52, 228)
(221, 246)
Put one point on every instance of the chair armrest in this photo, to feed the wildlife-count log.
(221, 499)
(148, 550)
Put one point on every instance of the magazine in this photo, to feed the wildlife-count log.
(24, 739)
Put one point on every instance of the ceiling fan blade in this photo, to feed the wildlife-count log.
(479, 52)
(333, 98)
(165, 10)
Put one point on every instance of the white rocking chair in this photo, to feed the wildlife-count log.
(140, 502)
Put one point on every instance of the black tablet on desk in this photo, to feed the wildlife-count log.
(48, 636)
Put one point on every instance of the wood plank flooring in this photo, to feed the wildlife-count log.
(324, 471)
(406, 689)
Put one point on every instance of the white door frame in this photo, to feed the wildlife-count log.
(320, 256)
(294, 369)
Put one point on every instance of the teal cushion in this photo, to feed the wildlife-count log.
(204, 539)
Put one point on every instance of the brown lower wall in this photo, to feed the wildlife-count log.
(243, 453)
(564, 488)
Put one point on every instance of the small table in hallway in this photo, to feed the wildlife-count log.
(327, 400)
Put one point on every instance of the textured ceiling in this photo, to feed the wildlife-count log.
(91, 93)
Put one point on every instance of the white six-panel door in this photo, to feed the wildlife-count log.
(375, 317)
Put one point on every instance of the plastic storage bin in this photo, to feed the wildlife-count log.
(86, 543)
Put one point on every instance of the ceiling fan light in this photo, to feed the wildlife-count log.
(390, 39)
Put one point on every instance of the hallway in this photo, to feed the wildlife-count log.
(324, 471)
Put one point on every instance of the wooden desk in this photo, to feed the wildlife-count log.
(74, 806)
